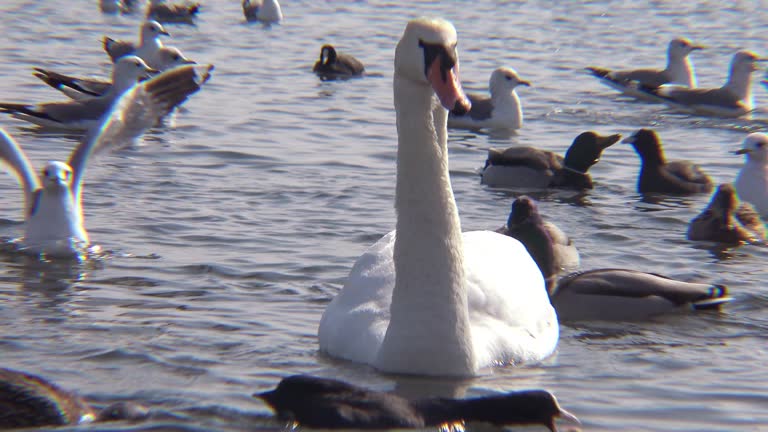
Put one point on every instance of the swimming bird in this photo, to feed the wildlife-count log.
(752, 181)
(85, 88)
(614, 294)
(180, 13)
(662, 176)
(630, 82)
(733, 99)
(535, 168)
(147, 50)
(553, 251)
(427, 299)
(335, 65)
(727, 220)
(266, 11)
(322, 403)
(53, 201)
(82, 114)
(501, 110)
(111, 6)
(30, 401)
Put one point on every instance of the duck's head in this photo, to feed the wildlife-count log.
(586, 150)
(647, 144)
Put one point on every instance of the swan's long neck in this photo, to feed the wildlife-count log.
(429, 329)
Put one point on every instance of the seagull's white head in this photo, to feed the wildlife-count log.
(681, 47)
(152, 29)
(755, 147)
(56, 176)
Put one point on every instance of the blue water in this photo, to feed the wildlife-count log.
(229, 231)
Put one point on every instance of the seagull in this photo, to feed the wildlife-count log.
(85, 88)
(752, 181)
(727, 220)
(53, 200)
(148, 47)
(733, 99)
(334, 65)
(266, 11)
(164, 12)
(82, 114)
(679, 71)
(501, 110)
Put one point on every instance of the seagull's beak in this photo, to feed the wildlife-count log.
(524, 83)
(742, 151)
(698, 47)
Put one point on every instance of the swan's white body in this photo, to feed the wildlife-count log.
(752, 182)
(426, 299)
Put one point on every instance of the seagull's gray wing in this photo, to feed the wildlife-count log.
(13, 157)
(118, 48)
(134, 112)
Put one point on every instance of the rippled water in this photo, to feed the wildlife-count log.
(230, 232)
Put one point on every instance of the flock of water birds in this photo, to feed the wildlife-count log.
(426, 299)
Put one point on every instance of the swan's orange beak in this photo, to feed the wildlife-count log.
(445, 82)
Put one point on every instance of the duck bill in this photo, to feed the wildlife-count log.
(445, 83)
(564, 416)
(606, 141)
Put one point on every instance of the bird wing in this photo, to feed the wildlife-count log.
(135, 111)
(525, 156)
(13, 157)
(118, 48)
(87, 86)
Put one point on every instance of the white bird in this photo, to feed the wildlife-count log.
(501, 110)
(85, 88)
(631, 82)
(266, 11)
(147, 50)
(427, 299)
(111, 6)
(82, 114)
(733, 99)
(53, 201)
(752, 182)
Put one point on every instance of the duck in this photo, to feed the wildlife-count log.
(324, 403)
(535, 168)
(334, 65)
(53, 213)
(265, 11)
(427, 299)
(501, 109)
(79, 88)
(630, 82)
(31, 401)
(147, 49)
(727, 220)
(657, 175)
(552, 249)
(733, 99)
(180, 13)
(616, 294)
(81, 115)
(752, 181)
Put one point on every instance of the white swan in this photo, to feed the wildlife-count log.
(426, 299)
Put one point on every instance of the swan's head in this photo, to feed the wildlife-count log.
(56, 175)
(505, 78)
(647, 144)
(755, 147)
(152, 29)
(427, 54)
(680, 47)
